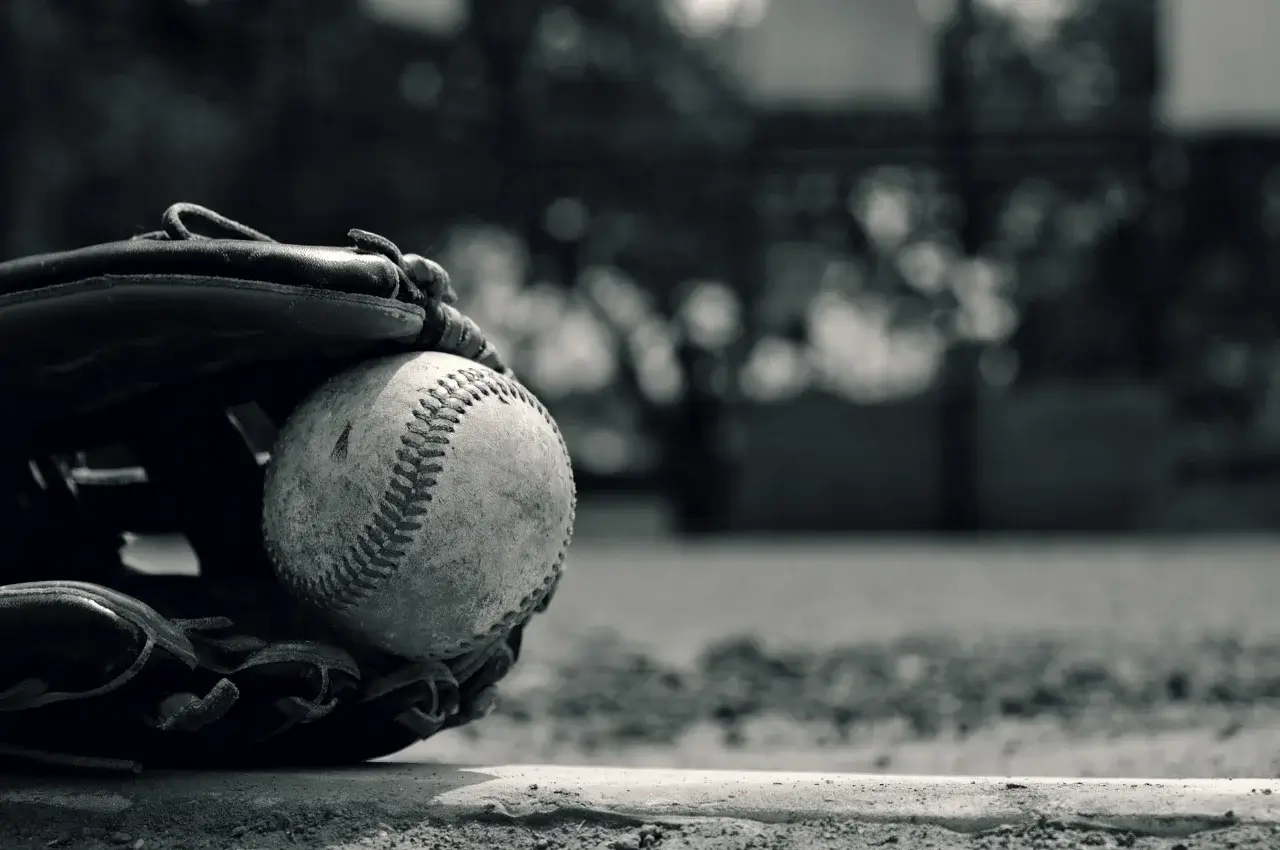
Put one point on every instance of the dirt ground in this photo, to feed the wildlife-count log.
(1130, 657)
(364, 832)
(1217, 744)
(1025, 706)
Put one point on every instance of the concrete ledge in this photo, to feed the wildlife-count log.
(544, 795)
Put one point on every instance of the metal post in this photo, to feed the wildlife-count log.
(959, 511)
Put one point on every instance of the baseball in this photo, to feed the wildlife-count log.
(420, 503)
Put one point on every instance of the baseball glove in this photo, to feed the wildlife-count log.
(168, 350)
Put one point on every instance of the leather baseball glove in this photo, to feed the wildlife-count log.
(175, 350)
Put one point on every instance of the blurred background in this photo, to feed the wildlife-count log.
(805, 265)
(785, 268)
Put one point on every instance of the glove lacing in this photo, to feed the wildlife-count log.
(423, 282)
(424, 697)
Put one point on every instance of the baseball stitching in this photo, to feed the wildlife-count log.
(378, 550)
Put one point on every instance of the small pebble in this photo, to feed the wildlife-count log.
(121, 838)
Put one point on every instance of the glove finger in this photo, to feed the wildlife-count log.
(95, 677)
(395, 711)
(77, 640)
(82, 663)
(446, 328)
(478, 693)
(279, 689)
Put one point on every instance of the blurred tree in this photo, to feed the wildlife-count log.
(1064, 140)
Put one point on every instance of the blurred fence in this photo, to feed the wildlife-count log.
(1029, 299)
(1092, 458)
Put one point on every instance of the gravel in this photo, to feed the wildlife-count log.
(364, 832)
(611, 695)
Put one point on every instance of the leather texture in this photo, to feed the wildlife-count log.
(87, 330)
(312, 268)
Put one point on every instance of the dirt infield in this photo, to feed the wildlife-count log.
(341, 834)
(1056, 706)
(542, 808)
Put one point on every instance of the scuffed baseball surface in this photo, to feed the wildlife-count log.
(422, 503)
